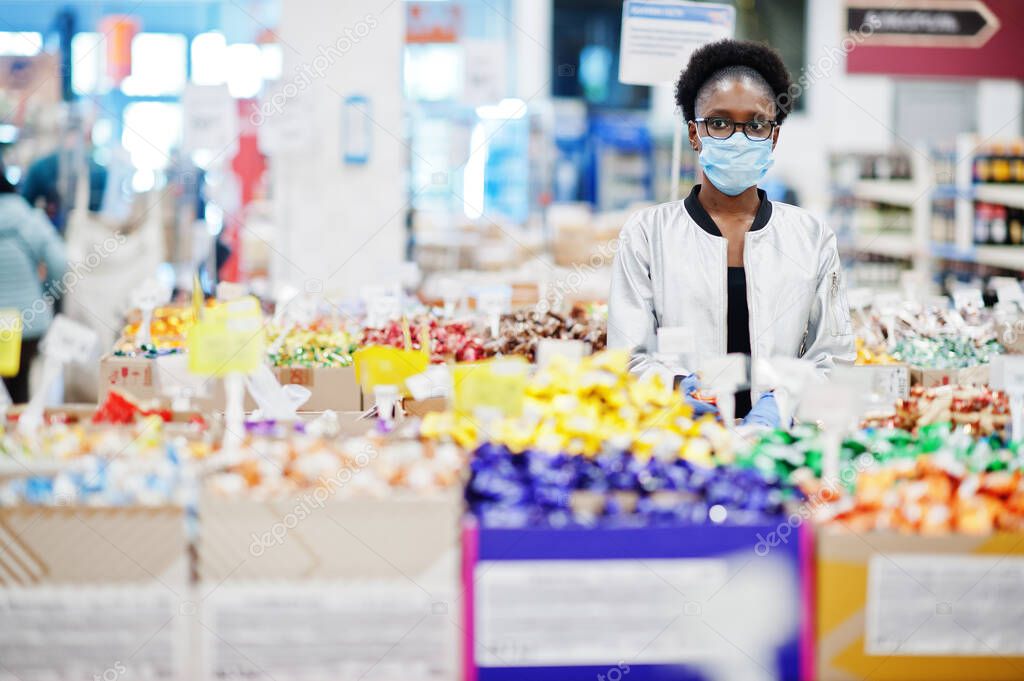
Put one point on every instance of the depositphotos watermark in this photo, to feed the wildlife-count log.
(829, 492)
(111, 673)
(556, 291)
(306, 73)
(76, 272)
(614, 673)
(826, 64)
(311, 501)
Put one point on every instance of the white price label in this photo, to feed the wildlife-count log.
(496, 300)
(888, 382)
(150, 295)
(68, 341)
(1010, 292)
(968, 298)
(888, 303)
(676, 340)
(383, 309)
(725, 373)
(836, 404)
(944, 604)
(549, 347)
(301, 310)
(1008, 373)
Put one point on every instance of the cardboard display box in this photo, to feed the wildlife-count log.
(637, 603)
(891, 381)
(85, 588)
(332, 388)
(360, 588)
(928, 378)
(894, 607)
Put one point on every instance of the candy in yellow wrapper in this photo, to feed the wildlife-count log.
(588, 407)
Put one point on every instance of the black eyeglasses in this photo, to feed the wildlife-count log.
(723, 128)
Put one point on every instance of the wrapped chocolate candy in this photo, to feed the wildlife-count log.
(946, 352)
(449, 340)
(519, 333)
(168, 329)
(590, 408)
(536, 488)
(978, 410)
(319, 345)
(280, 459)
(931, 495)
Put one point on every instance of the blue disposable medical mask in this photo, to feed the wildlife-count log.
(735, 164)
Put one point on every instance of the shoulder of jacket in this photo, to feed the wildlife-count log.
(796, 218)
(654, 218)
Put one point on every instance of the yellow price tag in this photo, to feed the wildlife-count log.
(381, 365)
(498, 384)
(229, 339)
(10, 342)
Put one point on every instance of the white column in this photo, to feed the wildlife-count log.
(999, 108)
(340, 226)
(531, 38)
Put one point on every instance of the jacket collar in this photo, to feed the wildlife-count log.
(704, 221)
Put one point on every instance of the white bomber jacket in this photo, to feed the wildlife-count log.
(671, 269)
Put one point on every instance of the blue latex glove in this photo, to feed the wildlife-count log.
(764, 413)
(688, 386)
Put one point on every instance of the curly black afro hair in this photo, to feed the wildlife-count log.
(708, 60)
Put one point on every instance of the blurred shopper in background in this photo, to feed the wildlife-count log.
(31, 253)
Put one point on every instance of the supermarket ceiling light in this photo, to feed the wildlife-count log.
(504, 110)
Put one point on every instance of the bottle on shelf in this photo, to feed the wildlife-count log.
(997, 231)
(982, 166)
(1000, 164)
(1017, 162)
(1015, 227)
(981, 223)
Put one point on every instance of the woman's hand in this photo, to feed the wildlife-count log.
(689, 386)
(765, 413)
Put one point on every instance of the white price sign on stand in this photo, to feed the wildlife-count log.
(659, 37)
(1008, 375)
(68, 341)
(65, 341)
(657, 41)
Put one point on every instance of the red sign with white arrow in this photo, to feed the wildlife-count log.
(936, 37)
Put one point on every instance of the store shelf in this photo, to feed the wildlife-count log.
(893, 192)
(1006, 257)
(891, 245)
(1011, 195)
(1010, 257)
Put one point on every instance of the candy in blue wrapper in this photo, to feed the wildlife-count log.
(616, 489)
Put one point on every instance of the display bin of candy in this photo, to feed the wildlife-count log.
(928, 378)
(109, 544)
(140, 377)
(136, 375)
(82, 587)
(348, 582)
(889, 381)
(899, 607)
(334, 388)
(665, 602)
(340, 540)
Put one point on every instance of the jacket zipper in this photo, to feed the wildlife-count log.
(833, 305)
(725, 296)
(750, 302)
